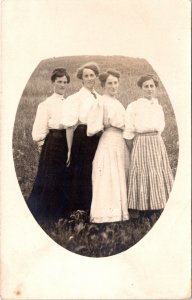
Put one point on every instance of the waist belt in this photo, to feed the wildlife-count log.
(82, 126)
(148, 133)
(57, 132)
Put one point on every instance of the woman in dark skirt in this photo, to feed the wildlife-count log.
(49, 199)
(84, 147)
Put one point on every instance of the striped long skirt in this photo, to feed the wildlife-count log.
(150, 177)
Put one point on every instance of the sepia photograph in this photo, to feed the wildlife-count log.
(95, 149)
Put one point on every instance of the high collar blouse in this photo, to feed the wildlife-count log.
(48, 116)
(77, 106)
(106, 112)
(143, 115)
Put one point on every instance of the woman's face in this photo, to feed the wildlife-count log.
(88, 79)
(149, 89)
(111, 86)
(60, 84)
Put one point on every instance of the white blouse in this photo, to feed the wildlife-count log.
(143, 115)
(48, 116)
(77, 106)
(106, 112)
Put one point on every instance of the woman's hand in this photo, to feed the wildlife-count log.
(68, 158)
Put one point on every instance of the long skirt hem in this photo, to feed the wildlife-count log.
(109, 219)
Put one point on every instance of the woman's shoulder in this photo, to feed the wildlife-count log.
(71, 97)
(133, 104)
(156, 102)
(75, 96)
(46, 102)
(106, 101)
(49, 101)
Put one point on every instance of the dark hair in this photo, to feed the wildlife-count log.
(59, 72)
(91, 65)
(146, 77)
(103, 76)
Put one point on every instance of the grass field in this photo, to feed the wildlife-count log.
(77, 234)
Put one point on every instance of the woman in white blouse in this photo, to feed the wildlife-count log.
(49, 199)
(83, 147)
(110, 165)
(150, 177)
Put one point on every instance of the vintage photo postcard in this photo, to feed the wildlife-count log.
(95, 149)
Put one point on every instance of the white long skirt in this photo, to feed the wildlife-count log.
(109, 178)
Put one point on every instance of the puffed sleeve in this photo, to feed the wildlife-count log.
(129, 131)
(95, 118)
(70, 111)
(40, 126)
(114, 115)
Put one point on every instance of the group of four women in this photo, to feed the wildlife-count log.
(95, 156)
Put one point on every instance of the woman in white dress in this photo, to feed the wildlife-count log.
(150, 176)
(110, 164)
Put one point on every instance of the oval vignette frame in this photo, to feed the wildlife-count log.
(38, 88)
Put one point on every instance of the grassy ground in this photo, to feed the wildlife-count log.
(76, 234)
(98, 240)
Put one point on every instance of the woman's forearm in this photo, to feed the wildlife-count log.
(129, 144)
(69, 137)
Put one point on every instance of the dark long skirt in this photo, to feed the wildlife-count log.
(49, 199)
(83, 152)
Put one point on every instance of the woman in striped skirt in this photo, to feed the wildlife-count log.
(150, 176)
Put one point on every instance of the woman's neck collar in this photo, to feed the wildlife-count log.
(59, 95)
(109, 96)
(89, 90)
(149, 99)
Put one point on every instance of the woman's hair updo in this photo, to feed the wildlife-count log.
(146, 77)
(103, 76)
(59, 72)
(91, 65)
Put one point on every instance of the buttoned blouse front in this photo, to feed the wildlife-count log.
(48, 116)
(77, 106)
(143, 115)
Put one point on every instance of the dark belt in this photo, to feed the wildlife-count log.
(82, 126)
(57, 132)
